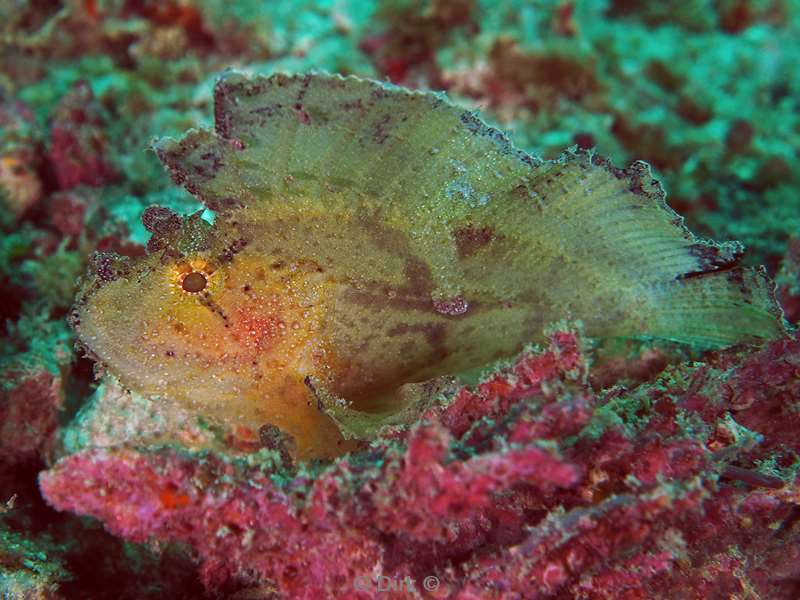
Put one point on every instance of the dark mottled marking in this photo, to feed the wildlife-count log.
(380, 134)
(222, 116)
(267, 111)
(172, 162)
(713, 258)
(302, 115)
(309, 383)
(109, 266)
(223, 204)
(400, 300)
(477, 127)
(419, 281)
(470, 239)
(305, 82)
(415, 294)
(175, 160)
(209, 303)
(529, 196)
(169, 255)
(636, 175)
(160, 220)
(357, 104)
(434, 334)
(214, 158)
(254, 87)
(601, 161)
(381, 236)
(632, 174)
(232, 250)
(736, 277)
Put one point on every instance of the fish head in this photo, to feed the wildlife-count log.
(210, 323)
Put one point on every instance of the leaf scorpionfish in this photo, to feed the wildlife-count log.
(367, 237)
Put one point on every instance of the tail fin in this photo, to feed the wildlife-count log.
(641, 272)
(718, 308)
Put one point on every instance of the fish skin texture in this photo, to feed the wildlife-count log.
(368, 236)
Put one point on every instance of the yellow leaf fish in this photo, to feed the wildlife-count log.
(368, 236)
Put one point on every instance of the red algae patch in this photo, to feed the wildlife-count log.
(528, 484)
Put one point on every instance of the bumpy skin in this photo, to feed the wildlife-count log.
(368, 236)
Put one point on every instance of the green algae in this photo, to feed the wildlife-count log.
(30, 566)
(34, 342)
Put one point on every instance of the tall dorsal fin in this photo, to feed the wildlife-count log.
(386, 185)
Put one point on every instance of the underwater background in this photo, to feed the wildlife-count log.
(647, 470)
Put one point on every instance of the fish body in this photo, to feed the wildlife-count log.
(368, 236)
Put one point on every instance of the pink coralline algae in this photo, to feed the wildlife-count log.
(527, 485)
(28, 415)
(77, 151)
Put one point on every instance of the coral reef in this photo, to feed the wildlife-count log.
(28, 414)
(613, 468)
(29, 567)
(20, 185)
(77, 147)
(526, 485)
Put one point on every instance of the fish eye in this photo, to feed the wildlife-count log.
(194, 282)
